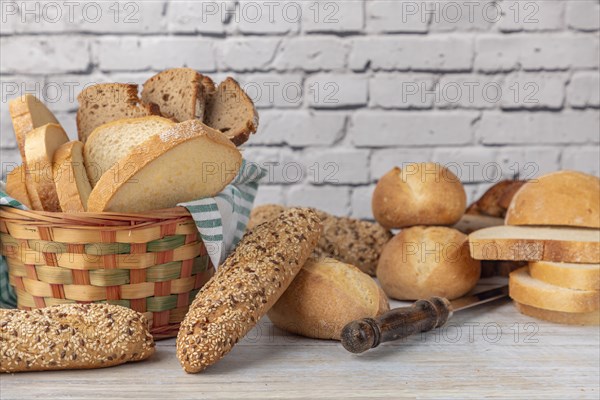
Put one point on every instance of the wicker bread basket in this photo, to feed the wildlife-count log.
(154, 263)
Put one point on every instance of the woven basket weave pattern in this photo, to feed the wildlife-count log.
(154, 263)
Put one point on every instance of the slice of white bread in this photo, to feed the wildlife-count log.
(106, 102)
(40, 146)
(187, 162)
(586, 318)
(232, 112)
(15, 186)
(27, 113)
(524, 243)
(72, 184)
(180, 93)
(568, 275)
(524, 289)
(110, 142)
(563, 198)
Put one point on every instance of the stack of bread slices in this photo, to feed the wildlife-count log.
(553, 223)
(174, 143)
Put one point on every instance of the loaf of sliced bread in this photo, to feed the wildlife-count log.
(521, 243)
(40, 146)
(585, 318)
(106, 102)
(72, 184)
(180, 93)
(568, 275)
(15, 186)
(532, 292)
(110, 142)
(187, 162)
(27, 113)
(232, 112)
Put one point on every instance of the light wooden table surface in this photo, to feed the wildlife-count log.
(487, 352)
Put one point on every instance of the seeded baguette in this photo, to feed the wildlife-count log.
(245, 287)
(72, 336)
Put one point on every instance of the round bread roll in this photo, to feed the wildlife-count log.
(421, 262)
(325, 296)
(560, 198)
(419, 194)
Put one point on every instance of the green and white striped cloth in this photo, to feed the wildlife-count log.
(221, 220)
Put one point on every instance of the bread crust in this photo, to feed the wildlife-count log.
(245, 287)
(65, 178)
(15, 186)
(22, 118)
(489, 244)
(496, 199)
(572, 276)
(563, 198)
(72, 336)
(526, 290)
(422, 261)
(324, 297)
(587, 318)
(418, 194)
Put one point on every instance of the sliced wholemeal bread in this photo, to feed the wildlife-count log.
(40, 146)
(15, 186)
(187, 162)
(27, 113)
(569, 275)
(532, 292)
(106, 102)
(72, 184)
(232, 112)
(521, 243)
(180, 93)
(110, 142)
(585, 318)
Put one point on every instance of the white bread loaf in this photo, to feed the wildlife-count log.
(420, 262)
(110, 142)
(106, 102)
(187, 162)
(526, 243)
(232, 112)
(245, 287)
(180, 93)
(72, 184)
(418, 194)
(568, 275)
(16, 187)
(532, 292)
(559, 317)
(324, 297)
(40, 146)
(27, 113)
(564, 198)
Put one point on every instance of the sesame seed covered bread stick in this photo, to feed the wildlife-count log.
(72, 336)
(245, 287)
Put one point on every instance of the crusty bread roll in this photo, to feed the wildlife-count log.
(559, 317)
(349, 240)
(418, 194)
(72, 336)
(325, 296)
(421, 262)
(245, 286)
(560, 198)
(535, 293)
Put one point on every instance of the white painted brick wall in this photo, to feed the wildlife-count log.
(346, 89)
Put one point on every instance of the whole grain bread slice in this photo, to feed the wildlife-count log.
(180, 93)
(231, 111)
(110, 142)
(27, 113)
(106, 102)
(527, 243)
(187, 162)
(532, 292)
